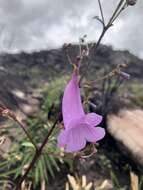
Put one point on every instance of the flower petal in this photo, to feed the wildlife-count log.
(76, 140)
(93, 134)
(71, 104)
(62, 138)
(93, 119)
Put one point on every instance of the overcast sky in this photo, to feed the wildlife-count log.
(41, 24)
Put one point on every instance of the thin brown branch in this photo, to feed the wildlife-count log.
(101, 11)
(5, 112)
(115, 12)
(22, 125)
(96, 46)
(69, 58)
(37, 154)
(105, 28)
(116, 16)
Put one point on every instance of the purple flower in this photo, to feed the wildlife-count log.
(79, 127)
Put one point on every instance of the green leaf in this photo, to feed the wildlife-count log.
(5, 174)
(3, 163)
(44, 168)
(37, 175)
(49, 166)
(41, 169)
(28, 144)
(54, 163)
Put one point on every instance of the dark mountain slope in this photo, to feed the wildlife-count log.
(23, 74)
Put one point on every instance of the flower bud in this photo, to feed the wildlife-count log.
(131, 2)
(125, 75)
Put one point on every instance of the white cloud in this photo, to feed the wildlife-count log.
(36, 24)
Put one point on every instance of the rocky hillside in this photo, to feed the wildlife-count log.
(23, 75)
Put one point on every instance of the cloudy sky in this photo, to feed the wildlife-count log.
(40, 24)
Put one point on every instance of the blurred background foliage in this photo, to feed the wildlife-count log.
(16, 160)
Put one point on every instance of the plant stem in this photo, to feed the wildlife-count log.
(26, 132)
(5, 112)
(101, 11)
(96, 46)
(116, 16)
(115, 12)
(37, 155)
(105, 28)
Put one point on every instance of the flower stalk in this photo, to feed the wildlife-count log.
(5, 112)
(37, 154)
